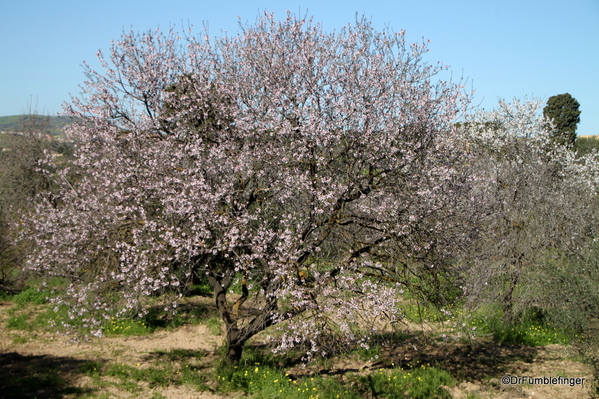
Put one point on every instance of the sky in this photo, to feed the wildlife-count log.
(505, 49)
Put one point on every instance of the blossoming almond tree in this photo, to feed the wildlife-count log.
(307, 165)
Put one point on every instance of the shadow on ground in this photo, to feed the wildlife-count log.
(475, 361)
(472, 361)
(40, 377)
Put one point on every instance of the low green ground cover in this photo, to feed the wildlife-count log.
(262, 374)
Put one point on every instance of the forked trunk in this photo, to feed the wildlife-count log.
(234, 346)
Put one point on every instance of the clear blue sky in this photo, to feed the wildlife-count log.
(507, 49)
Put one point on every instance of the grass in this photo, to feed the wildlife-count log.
(126, 327)
(31, 295)
(261, 374)
(366, 354)
(530, 330)
(166, 368)
(423, 382)
(214, 325)
(266, 381)
(157, 318)
(31, 311)
(418, 312)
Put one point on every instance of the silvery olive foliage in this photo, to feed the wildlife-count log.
(301, 165)
(540, 201)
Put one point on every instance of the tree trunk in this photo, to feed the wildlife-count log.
(234, 346)
(508, 299)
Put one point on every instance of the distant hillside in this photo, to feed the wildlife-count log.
(586, 144)
(13, 123)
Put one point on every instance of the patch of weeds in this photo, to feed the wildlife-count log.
(19, 322)
(315, 387)
(203, 289)
(214, 325)
(161, 375)
(262, 375)
(253, 355)
(37, 376)
(418, 383)
(91, 368)
(268, 382)
(249, 379)
(196, 314)
(157, 318)
(528, 332)
(126, 327)
(368, 353)
(5, 295)
(153, 376)
(39, 381)
(20, 340)
(180, 354)
(56, 319)
(30, 295)
(191, 375)
(421, 311)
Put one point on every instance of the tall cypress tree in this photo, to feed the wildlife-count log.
(563, 111)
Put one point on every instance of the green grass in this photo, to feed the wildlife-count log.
(157, 373)
(263, 375)
(265, 381)
(32, 311)
(418, 312)
(126, 327)
(157, 318)
(91, 368)
(31, 295)
(19, 322)
(179, 355)
(531, 330)
(367, 354)
(419, 383)
(531, 334)
(214, 325)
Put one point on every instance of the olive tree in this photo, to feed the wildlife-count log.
(304, 165)
(20, 182)
(541, 204)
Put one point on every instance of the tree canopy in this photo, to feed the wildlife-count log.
(313, 169)
(563, 111)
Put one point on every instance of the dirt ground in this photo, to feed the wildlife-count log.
(479, 364)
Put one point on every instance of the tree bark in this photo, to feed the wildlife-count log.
(234, 345)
